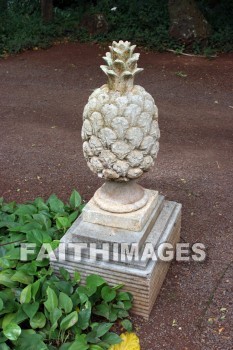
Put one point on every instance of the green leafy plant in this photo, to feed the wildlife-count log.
(143, 22)
(40, 310)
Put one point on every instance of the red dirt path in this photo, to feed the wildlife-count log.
(42, 97)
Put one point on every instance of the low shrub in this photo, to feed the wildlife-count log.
(145, 23)
(40, 310)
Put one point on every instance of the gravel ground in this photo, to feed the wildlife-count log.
(42, 96)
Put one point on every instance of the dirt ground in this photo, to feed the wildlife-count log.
(42, 96)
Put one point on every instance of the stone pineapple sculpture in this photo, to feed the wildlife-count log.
(120, 121)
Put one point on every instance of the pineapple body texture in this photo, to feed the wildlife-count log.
(120, 121)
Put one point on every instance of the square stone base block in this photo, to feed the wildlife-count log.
(133, 221)
(142, 278)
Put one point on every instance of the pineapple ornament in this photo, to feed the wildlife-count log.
(120, 143)
(120, 132)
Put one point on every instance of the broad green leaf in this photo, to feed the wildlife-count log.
(77, 346)
(111, 338)
(62, 222)
(108, 294)
(55, 204)
(38, 321)
(118, 286)
(5, 263)
(54, 244)
(4, 346)
(82, 206)
(103, 310)
(44, 262)
(8, 207)
(10, 306)
(25, 296)
(13, 253)
(52, 300)
(119, 305)
(65, 346)
(5, 279)
(38, 236)
(24, 209)
(64, 287)
(113, 315)
(96, 347)
(107, 311)
(124, 296)
(88, 290)
(102, 329)
(122, 314)
(31, 309)
(84, 318)
(75, 199)
(1, 304)
(95, 281)
(34, 289)
(20, 315)
(69, 321)
(43, 220)
(81, 338)
(7, 294)
(8, 318)
(12, 331)
(92, 337)
(127, 325)
(51, 347)
(28, 268)
(73, 216)
(39, 202)
(64, 273)
(27, 227)
(29, 340)
(81, 296)
(77, 277)
(22, 277)
(54, 317)
(65, 303)
(127, 305)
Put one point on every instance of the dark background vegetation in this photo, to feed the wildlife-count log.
(145, 22)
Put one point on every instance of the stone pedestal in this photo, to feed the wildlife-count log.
(111, 237)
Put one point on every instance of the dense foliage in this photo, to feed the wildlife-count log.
(143, 22)
(39, 310)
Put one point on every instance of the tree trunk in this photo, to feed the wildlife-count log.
(47, 10)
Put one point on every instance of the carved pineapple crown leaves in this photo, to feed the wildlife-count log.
(121, 64)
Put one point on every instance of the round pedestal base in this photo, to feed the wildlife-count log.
(122, 197)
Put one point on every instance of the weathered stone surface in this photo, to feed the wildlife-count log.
(120, 118)
(187, 21)
(134, 173)
(133, 221)
(134, 136)
(121, 167)
(121, 133)
(84, 231)
(143, 281)
(121, 149)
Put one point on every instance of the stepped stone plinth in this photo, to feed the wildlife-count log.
(122, 231)
(142, 277)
